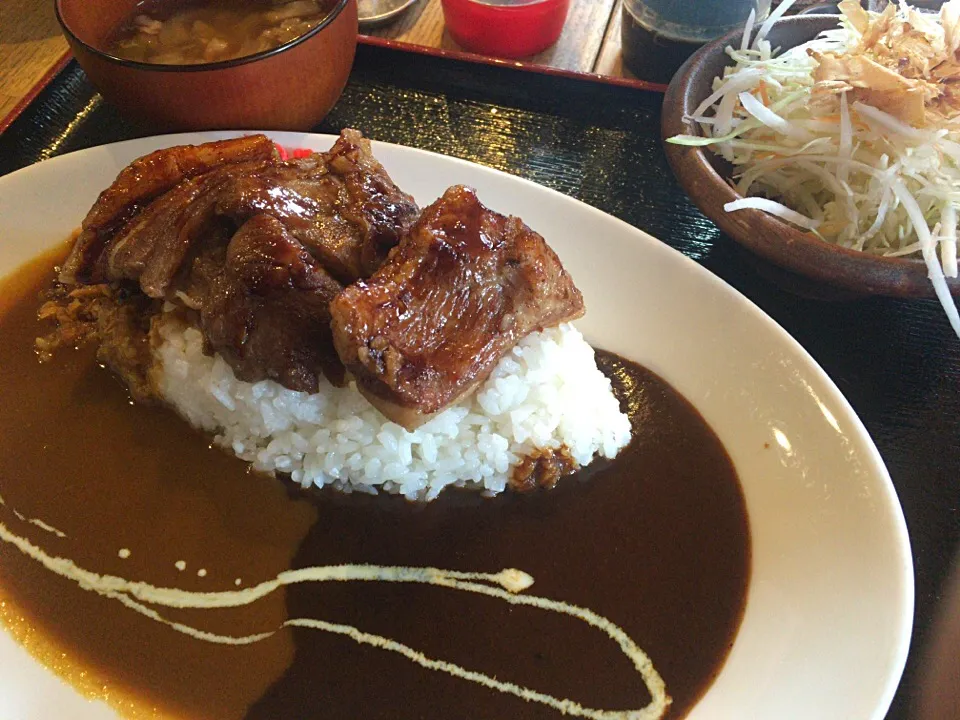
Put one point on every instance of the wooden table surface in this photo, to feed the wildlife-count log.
(32, 46)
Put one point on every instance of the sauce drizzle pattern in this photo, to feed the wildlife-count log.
(34, 521)
(507, 585)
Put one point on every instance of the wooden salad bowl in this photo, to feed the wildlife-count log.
(704, 176)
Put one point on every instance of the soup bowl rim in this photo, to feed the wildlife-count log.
(198, 67)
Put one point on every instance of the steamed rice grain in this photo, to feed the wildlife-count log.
(545, 394)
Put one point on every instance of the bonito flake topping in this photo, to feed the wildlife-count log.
(905, 63)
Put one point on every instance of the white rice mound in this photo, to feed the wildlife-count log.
(546, 393)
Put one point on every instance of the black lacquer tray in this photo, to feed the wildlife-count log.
(896, 361)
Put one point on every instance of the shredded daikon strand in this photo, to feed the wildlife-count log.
(928, 248)
(846, 138)
(747, 79)
(948, 240)
(768, 23)
(774, 208)
(769, 118)
(823, 156)
(748, 29)
(889, 123)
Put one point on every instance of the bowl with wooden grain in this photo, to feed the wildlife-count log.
(792, 256)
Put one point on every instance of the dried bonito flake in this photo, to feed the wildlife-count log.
(905, 63)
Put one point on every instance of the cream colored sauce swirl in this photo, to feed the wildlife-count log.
(506, 585)
(35, 522)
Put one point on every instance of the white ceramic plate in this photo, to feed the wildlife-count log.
(830, 603)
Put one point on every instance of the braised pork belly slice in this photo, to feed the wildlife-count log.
(341, 205)
(452, 299)
(140, 183)
(156, 243)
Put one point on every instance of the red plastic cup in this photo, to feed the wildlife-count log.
(505, 28)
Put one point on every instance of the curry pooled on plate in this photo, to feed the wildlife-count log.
(307, 313)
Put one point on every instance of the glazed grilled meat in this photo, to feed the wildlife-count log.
(156, 243)
(258, 251)
(268, 312)
(341, 205)
(257, 246)
(454, 296)
(140, 183)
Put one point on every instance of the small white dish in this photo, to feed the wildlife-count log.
(375, 13)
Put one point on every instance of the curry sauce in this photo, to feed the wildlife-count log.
(656, 540)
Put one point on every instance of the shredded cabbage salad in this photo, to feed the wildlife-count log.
(823, 155)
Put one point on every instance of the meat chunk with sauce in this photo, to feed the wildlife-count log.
(156, 244)
(340, 205)
(140, 183)
(268, 313)
(117, 319)
(256, 246)
(454, 296)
